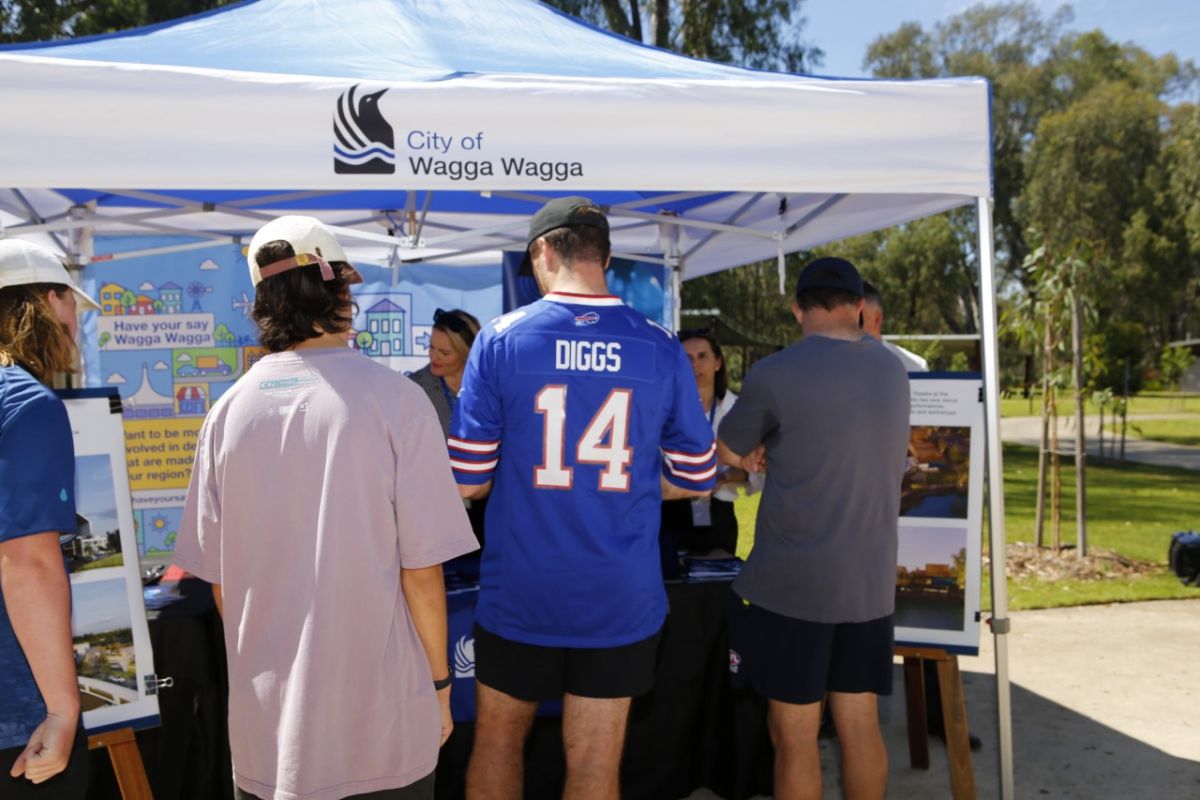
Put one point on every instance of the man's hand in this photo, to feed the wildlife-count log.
(48, 750)
(732, 477)
(755, 460)
(447, 719)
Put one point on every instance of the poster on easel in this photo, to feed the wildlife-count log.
(938, 571)
(113, 658)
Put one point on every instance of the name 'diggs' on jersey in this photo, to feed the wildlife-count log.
(576, 407)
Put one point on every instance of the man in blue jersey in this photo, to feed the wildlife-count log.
(578, 415)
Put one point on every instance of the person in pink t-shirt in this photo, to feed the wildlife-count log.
(321, 508)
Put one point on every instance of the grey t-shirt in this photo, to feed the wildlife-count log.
(834, 417)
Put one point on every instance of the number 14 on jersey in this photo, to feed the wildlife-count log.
(604, 440)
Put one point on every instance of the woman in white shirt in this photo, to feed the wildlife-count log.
(707, 524)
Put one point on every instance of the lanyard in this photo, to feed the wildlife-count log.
(450, 398)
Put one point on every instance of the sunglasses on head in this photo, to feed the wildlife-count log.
(694, 333)
(451, 321)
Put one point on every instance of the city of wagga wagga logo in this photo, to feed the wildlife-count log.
(460, 158)
(363, 140)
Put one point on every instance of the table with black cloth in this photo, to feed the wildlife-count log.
(693, 730)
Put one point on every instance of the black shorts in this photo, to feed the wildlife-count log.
(797, 661)
(536, 673)
(418, 790)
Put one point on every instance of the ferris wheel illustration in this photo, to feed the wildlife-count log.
(197, 290)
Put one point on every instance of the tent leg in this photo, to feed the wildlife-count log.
(991, 378)
(676, 293)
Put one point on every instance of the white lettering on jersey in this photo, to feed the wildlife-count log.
(586, 356)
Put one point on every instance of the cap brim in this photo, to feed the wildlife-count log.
(88, 303)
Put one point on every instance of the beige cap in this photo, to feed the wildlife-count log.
(306, 235)
(23, 262)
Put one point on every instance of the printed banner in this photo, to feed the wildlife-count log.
(941, 514)
(117, 683)
(175, 331)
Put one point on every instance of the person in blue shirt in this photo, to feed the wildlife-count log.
(578, 415)
(43, 752)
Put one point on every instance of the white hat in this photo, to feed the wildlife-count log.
(23, 262)
(311, 241)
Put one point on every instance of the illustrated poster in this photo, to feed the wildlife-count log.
(174, 332)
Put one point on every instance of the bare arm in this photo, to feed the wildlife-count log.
(754, 461)
(425, 594)
(37, 595)
(219, 599)
(474, 492)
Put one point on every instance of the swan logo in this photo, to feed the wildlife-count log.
(464, 658)
(364, 143)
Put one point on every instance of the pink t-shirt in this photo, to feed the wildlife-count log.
(318, 475)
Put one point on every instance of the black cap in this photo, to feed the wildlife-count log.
(559, 213)
(831, 273)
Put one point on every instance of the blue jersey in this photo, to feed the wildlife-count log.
(37, 495)
(575, 406)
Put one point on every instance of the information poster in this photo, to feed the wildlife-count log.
(941, 514)
(174, 332)
(113, 659)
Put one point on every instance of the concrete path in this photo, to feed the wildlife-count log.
(1028, 431)
(1106, 704)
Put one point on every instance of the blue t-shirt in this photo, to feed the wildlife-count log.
(575, 406)
(37, 494)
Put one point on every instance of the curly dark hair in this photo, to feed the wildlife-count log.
(297, 305)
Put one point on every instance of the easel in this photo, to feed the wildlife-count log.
(126, 762)
(954, 716)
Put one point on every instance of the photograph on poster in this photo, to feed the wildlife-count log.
(96, 543)
(931, 575)
(103, 639)
(936, 482)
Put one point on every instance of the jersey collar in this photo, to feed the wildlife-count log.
(583, 299)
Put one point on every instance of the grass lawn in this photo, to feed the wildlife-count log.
(115, 560)
(1171, 431)
(1138, 404)
(1132, 509)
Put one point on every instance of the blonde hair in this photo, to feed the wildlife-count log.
(460, 342)
(31, 335)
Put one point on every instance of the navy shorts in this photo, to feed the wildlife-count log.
(536, 673)
(797, 661)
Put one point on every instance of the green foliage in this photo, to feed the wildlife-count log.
(762, 34)
(1175, 361)
(40, 20)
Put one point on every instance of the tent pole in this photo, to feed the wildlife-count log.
(676, 268)
(991, 378)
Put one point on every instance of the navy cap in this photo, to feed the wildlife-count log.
(559, 213)
(831, 273)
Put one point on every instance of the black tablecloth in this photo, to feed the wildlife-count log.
(691, 731)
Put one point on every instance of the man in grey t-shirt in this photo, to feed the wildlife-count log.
(812, 612)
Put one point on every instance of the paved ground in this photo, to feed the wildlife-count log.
(1028, 431)
(1106, 704)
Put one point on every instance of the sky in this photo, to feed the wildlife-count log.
(921, 545)
(94, 493)
(99, 606)
(844, 28)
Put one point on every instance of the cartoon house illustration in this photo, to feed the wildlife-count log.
(191, 401)
(171, 295)
(386, 324)
(143, 306)
(110, 299)
(146, 403)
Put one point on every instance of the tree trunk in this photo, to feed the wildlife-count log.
(1080, 433)
(1040, 524)
(662, 23)
(1056, 475)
